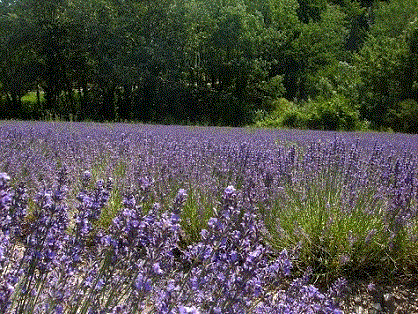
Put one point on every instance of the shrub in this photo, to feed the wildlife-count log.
(344, 223)
(336, 113)
(285, 113)
(294, 119)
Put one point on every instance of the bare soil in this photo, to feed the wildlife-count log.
(397, 296)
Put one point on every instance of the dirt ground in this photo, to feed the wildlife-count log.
(398, 296)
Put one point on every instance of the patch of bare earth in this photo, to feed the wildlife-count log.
(395, 297)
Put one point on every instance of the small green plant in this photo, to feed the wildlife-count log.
(409, 244)
(111, 210)
(196, 212)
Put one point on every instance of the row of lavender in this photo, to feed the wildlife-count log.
(336, 200)
(165, 158)
(137, 266)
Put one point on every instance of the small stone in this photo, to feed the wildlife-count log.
(376, 308)
(389, 302)
(388, 296)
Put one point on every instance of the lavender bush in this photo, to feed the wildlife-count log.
(198, 220)
(351, 217)
(136, 265)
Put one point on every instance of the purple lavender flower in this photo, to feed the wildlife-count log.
(4, 180)
(6, 291)
(179, 201)
(231, 245)
(157, 269)
(51, 222)
(90, 207)
(187, 310)
(143, 261)
(85, 178)
(5, 202)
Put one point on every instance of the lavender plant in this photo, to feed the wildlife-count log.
(165, 236)
(7, 279)
(137, 266)
(345, 220)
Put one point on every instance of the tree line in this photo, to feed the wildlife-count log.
(297, 63)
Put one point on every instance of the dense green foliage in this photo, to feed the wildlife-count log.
(342, 63)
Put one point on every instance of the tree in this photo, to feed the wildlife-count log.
(19, 66)
(387, 61)
(392, 18)
(320, 44)
(311, 10)
(45, 18)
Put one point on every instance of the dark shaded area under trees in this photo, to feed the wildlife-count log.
(333, 63)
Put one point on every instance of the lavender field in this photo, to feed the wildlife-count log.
(123, 218)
